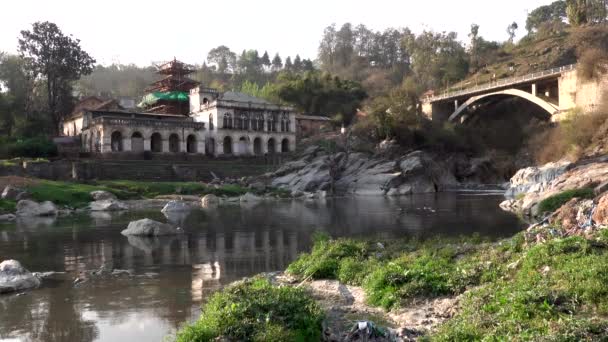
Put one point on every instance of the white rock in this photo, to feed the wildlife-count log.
(173, 206)
(147, 227)
(31, 208)
(11, 193)
(249, 197)
(535, 179)
(209, 201)
(14, 277)
(101, 195)
(7, 217)
(108, 205)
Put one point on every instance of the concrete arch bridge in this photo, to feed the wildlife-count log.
(555, 91)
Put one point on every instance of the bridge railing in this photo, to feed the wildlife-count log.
(502, 83)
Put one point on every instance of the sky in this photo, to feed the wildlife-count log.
(143, 32)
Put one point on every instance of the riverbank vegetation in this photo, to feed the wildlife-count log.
(255, 310)
(509, 290)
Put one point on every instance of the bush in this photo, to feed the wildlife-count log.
(552, 203)
(7, 206)
(28, 148)
(255, 310)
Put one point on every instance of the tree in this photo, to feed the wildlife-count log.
(265, 60)
(57, 59)
(577, 12)
(555, 11)
(511, 29)
(288, 64)
(222, 58)
(327, 47)
(277, 62)
(597, 11)
(297, 64)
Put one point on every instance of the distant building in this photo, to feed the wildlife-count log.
(308, 125)
(179, 116)
(72, 124)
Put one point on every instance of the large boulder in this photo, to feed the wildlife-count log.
(209, 201)
(108, 205)
(147, 227)
(31, 208)
(11, 193)
(100, 195)
(600, 216)
(7, 217)
(14, 277)
(535, 179)
(176, 206)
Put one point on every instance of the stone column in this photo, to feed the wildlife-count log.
(147, 146)
(455, 105)
(200, 146)
(165, 145)
(126, 144)
(183, 146)
(250, 146)
(534, 89)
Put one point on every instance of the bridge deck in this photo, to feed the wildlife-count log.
(505, 82)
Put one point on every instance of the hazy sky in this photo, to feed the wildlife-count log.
(144, 31)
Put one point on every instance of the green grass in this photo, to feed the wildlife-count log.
(7, 206)
(552, 203)
(75, 195)
(255, 310)
(554, 291)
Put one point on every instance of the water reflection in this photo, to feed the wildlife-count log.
(172, 275)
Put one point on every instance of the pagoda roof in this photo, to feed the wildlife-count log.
(174, 67)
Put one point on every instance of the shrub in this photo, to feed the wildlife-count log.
(7, 206)
(552, 203)
(28, 148)
(255, 310)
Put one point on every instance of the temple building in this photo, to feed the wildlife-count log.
(178, 116)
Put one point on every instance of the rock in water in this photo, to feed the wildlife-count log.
(14, 277)
(249, 197)
(31, 208)
(535, 179)
(172, 206)
(7, 217)
(108, 205)
(209, 200)
(147, 227)
(101, 195)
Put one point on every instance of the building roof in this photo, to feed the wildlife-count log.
(312, 117)
(242, 97)
(80, 108)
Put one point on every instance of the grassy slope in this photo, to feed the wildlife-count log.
(556, 290)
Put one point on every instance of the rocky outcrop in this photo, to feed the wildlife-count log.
(147, 227)
(101, 195)
(553, 179)
(535, 179)
(176, 206)
(600, 215)
(362, 174)
(12, 193)
(108, 205)
(31, 208)
(14, 277)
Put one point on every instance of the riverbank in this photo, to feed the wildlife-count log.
(464, 289)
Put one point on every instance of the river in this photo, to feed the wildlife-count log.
(172, 276)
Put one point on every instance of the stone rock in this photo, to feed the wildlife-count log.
(535, 179)
(209, 201)
(147, 227)
(23, 196)
(174, 206)
(11, 193)
(108, 205)
(600, 189)
(600, 216)
(7, 217)
(31, 208)
(258, 186)
(566, 214)
(101, 195)
(249, 197)
(14, 277)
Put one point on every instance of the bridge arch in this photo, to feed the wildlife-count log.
(547, 106)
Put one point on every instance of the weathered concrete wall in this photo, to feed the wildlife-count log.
(575, 92)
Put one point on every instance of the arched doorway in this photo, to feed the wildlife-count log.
(116, 141)
(271, 146)
(242, 150)
(227, 145)
(137, 142)
(191, 144)
(174, 143)
(257, 146)
(210, 147)
(284, 146)
(156, 142)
